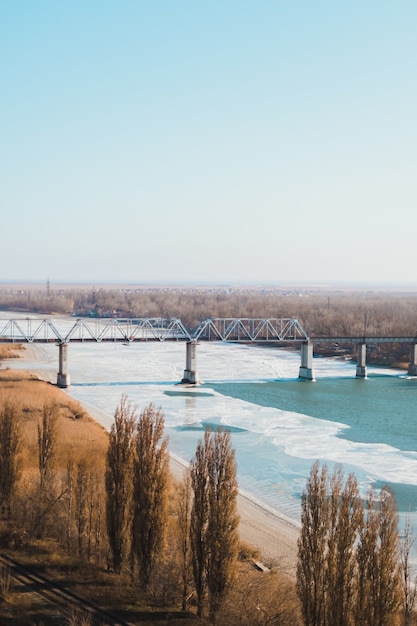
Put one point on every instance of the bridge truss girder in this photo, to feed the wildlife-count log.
(29, 330)
(156, 328)
(144, 329)
(36, 330)
(250, 330)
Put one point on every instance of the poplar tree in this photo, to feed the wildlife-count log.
(10, 440)
(332, 514)
(389, 560)
(409, 581)
(348, 569)
(214, 518)
(312, 547)
(345, 519)
(151, 470)
(184, 531)
(379, 577)
(199, 468)
(223, 519)
(119, 482)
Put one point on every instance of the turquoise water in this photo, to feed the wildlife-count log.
(279, 425)
(380, 410)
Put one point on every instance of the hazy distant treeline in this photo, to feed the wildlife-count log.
(338, 313)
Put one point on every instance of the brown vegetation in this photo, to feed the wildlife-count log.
(349, 570)
(119, 483)
(150, 491)
(10, 351)
(213, 519)
(57, 526)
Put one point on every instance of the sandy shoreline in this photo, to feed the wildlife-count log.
(274, 535)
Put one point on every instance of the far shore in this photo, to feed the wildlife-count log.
(273, 534)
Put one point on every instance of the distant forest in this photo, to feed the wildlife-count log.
(332, 313)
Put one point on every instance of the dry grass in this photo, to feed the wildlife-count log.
(10, 350)
(80, 434)
(77, 432)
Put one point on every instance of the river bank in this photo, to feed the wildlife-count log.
(274, 535)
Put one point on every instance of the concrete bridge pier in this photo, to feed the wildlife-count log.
(412, 368)
(361, 361)
(190, 373)
(63, 377)
(306, 368)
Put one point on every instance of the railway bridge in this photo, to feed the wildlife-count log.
(284, 331)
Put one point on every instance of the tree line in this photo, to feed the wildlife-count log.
(131, 503)
(321, 312)
(137, 483)
(352, 569)
(137, 489)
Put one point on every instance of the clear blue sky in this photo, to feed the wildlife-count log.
(218, 140)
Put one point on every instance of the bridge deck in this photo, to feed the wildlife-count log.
(361, 339)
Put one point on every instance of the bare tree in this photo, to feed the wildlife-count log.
(332, 514)
(223, 519)
(345, 519)
(214, 518)
(98, 534)
(379, 580)
(199, 519)
(261, 600)
(69, 486)
(389, 561)
(47, 433)
(409, 582)
(184, 530)
(9, 452)
(50, 495)
(312, 547)
(95, 495)
(367, 561)
(151, 470)
(119, 482)
(81, 504)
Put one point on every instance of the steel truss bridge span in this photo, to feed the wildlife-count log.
(63, 331)
(32, 330)
(250, 329)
